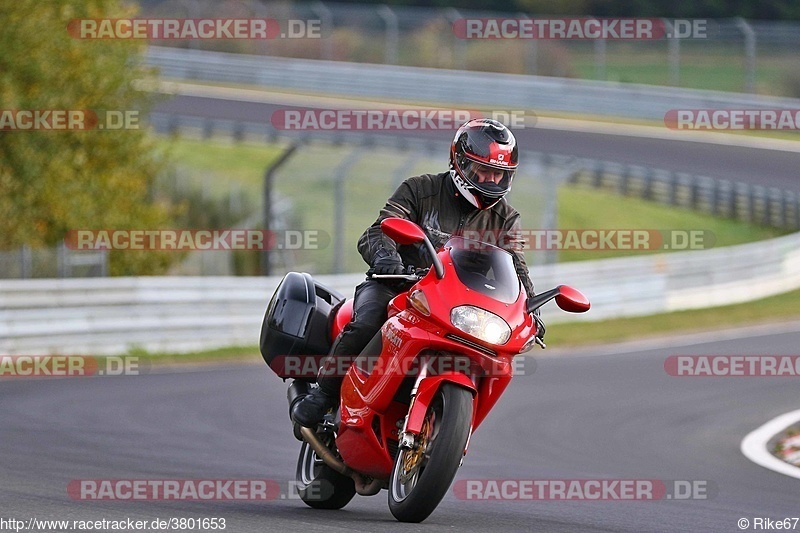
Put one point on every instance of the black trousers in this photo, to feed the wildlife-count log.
(369, 314)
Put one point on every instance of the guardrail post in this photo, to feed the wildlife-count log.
(733, 204)
(61, 260)
(599, 170)
(751, 204)
(714, 197)
(694, 189)
(647, 189)
(673, 188)
(782, 212)
(26, 258)
(768, 209)
(104, 263)
(624, 179)
(208, 128)
(796, 211)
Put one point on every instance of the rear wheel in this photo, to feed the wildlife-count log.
(420, 478)
(318, 485)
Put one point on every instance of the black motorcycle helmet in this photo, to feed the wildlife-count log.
(481, 143)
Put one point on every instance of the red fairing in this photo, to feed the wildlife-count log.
(368, 398)
(445, 358)
(343, 317)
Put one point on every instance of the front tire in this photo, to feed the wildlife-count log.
(318, 485)
(420, 478)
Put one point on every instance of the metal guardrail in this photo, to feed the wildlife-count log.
(56, 262)
(449, 87)
(765, 206)
(115, 315)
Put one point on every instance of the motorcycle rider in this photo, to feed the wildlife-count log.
(468, 198)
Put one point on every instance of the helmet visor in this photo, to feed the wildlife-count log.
(489, 181)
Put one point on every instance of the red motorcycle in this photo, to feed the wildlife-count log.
(412, 399)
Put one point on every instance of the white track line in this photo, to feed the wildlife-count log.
(754, 445)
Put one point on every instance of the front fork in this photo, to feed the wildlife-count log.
(423, 392)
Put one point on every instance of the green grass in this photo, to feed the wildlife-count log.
(590, 208)
(305, 185)
(701, 67)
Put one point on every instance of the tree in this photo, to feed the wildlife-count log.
(55, 181)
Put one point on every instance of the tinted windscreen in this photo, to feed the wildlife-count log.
(485, 268)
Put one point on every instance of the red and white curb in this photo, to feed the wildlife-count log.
(754, 445)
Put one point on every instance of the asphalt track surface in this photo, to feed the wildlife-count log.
(596, 414)
(771, 168)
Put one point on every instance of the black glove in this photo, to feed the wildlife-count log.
(540, 329)
(386, 263)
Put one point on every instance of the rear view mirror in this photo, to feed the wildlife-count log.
(567, 298)
(402, 231)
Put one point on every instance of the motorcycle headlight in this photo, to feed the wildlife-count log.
(480, 323)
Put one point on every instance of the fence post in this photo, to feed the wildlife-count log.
(326, 18)
(531, 51)
(269, 177)
(749, 55)
(673, 55)
(600, 59)
(392, 33)
(451, 15)
(339, 176)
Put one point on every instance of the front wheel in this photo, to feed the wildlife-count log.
(420, 478)
(318, 485)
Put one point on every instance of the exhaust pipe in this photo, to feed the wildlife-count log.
(363, 487)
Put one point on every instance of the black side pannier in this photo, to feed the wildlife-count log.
(298, 323)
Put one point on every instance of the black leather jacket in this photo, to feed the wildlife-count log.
(433, 202)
